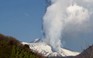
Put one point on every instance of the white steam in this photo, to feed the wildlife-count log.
(61, 14)
(77, 14)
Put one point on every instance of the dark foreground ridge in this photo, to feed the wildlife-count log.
(12, 48)
(88, 53)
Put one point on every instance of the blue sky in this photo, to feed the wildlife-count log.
(22, 19)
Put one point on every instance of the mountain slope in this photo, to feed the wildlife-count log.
(46, 50)
(12, 48)
(88, 53)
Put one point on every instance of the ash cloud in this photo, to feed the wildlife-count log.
(63, 17)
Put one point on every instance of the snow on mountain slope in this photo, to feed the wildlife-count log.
(46, 50)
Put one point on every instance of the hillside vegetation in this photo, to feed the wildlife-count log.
(12, 48)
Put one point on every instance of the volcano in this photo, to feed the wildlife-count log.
(46, 50)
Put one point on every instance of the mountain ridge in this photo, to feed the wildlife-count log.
(46, 50)
(12, 48)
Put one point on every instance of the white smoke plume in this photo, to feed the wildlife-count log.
(60, 15)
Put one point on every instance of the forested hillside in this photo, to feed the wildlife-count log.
(12, 48)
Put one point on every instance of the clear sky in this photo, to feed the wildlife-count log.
(22, 19)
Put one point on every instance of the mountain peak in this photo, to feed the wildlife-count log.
(46, 50)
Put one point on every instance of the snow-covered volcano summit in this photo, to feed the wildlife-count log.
(46, 49)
